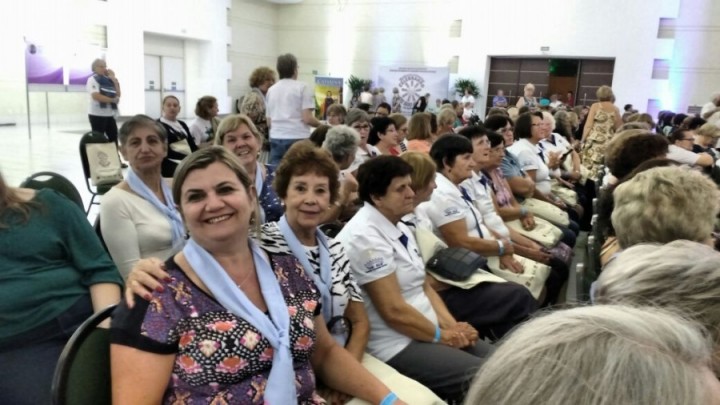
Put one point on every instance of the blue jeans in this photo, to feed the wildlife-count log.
(278, 147)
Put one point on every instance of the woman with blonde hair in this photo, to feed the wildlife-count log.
(605, 354)
(253, 103)
(602, 121)
(238, 134)
(419, 133)
(528, 99)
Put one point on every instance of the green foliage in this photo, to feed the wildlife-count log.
(462, 84)
(356, 84)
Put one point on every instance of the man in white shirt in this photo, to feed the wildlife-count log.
(680, 150)
(710, 110)
(411, 328)
(290, 106)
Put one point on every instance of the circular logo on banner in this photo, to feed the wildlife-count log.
(411, 89)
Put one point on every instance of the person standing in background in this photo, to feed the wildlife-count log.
(104, 90)
(290, 106)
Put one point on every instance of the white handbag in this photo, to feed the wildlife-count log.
(533, 278)
(104, 163)
(547, 211)
(544, 232)
(567, 195)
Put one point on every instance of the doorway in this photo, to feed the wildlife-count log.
(550, 76)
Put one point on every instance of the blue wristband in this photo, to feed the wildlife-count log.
(501, 247)
(389, 399)
(437, 335)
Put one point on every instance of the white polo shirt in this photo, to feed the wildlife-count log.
(529, 159)
(480, 190)
(92, 86)
(286, 100)
(447, 205)
(681, 155)
(361, 156)
(373, 247)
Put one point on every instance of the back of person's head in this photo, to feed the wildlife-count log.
(356, 115)
(423, 169)
(604, 93)
(318, 135)
(204, 105)
(628, 107)
(379, 125)
(682, 275)
(634, 125)
(694, 123)
(398, 119)
(287, 66)
(632, 149)
(419, 127)
(664, 204)
(342, 142)
(447, 148)
(496, 122)
(375, 175)
(364, 106)
(495, 139)
(497, 111)
(708, 130)
(602, 355)
(446, 118)
(523, 110)
(678, 119)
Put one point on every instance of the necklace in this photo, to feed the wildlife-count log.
(247, 276)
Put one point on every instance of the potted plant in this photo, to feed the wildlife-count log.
(466, 84)
(356, 84)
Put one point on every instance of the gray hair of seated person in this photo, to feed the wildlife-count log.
(682, 274)
(601, 355)
(664, 204)
(342, 142)
(140, 121)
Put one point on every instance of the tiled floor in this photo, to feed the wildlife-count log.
(56, 150)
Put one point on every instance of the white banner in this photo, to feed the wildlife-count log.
(413, 83)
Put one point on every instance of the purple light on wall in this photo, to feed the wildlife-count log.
(40, 68)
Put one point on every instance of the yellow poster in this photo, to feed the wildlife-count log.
(328, 91)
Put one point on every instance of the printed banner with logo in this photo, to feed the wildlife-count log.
(328, 91)
(413, 83)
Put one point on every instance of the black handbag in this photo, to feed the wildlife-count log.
(456, 263)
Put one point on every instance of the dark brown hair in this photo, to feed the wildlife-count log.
(302, 158)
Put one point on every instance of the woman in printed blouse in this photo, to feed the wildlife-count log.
(307, 182)
(237, 323)
(238, 134)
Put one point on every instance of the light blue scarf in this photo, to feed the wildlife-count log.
(280, 387)
(259, 182)
(322, 281)
(140, 188)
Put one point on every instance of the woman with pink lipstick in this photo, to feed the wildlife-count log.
(238, 134)
(384, 136)
(240, 321)
(138, 217)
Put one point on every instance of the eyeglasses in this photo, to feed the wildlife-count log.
(359, 127)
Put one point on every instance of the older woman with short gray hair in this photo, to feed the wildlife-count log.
(685, 278)
(604, 354)
(665, 204)
(342, 142)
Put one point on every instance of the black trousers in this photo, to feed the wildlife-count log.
(104, 125)
(491, 308)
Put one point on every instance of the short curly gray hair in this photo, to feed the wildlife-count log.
(664, 204)
(341, 141)
(682, 274)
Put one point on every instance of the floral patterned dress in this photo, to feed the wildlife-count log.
(593, 150)
(219, 357)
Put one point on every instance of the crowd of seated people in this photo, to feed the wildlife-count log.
(233, 288)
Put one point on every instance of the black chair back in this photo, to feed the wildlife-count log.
(56, 182)
(82, 374)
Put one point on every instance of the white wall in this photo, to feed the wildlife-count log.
(363, 35)
(254, 41)
(202, 25)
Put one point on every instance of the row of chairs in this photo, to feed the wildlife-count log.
(588, 271)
